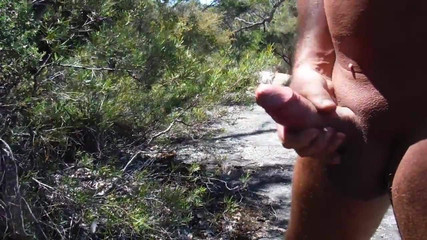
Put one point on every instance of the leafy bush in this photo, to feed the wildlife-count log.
(84, 84)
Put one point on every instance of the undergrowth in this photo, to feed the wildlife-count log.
(87, 88)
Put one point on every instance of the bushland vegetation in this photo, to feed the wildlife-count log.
(89, 93)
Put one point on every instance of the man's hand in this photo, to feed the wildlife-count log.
(314, 86)
(305, 118)
(313, 142)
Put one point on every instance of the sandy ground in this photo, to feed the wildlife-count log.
(248, 140)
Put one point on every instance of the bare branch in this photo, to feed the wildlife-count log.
(43, 66)
(213, 3)
(43, 184)
(175, 120)
(263, 22)
(284, 57)
(37, 221)
(131, 160)
(162, 132)
(93, 68)
(151, 140)
(244, 21)
(131, 72)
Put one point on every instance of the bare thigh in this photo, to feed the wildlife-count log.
(346, 201)
(409, 192)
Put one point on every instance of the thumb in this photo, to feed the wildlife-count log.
(322, 100)
(315, 87)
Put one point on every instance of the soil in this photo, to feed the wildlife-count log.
(246, 140)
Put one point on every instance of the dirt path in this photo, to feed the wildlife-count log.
(249, 141)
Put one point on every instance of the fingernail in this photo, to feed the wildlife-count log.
(327, 102)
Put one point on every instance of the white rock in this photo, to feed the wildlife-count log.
(275, 78)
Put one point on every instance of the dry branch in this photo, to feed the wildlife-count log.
(212, 4)
(43, 184)
(131, 72)
(131, 160)
(174, 121)
(263, 22)
(92, 68)
(284, 57)
(162, 132)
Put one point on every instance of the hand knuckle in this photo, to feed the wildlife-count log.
(286, 145)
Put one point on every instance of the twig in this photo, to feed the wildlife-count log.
(222, 181)
(213, 3)
(131, 160)
(153, 199)
(151, 140)
(54, 227)
(264, 21)
(94, 68)
(162, 132)
(131, 72)
(34, 218)
(244, 21)
(184, 123)
(284, 57)
(177, 119)
(43, 184)
(43, 66)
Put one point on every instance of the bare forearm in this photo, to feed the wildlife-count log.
(314, 47)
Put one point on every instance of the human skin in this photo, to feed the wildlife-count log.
(368, 58)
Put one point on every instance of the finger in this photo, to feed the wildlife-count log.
(296, 139)
(316, 88)
(318, 147)
(335, 143)
(321, 99)
(346, 114)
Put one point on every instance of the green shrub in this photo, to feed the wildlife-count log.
(84, 84)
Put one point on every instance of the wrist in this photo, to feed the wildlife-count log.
(315, 58)
(310, 67)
